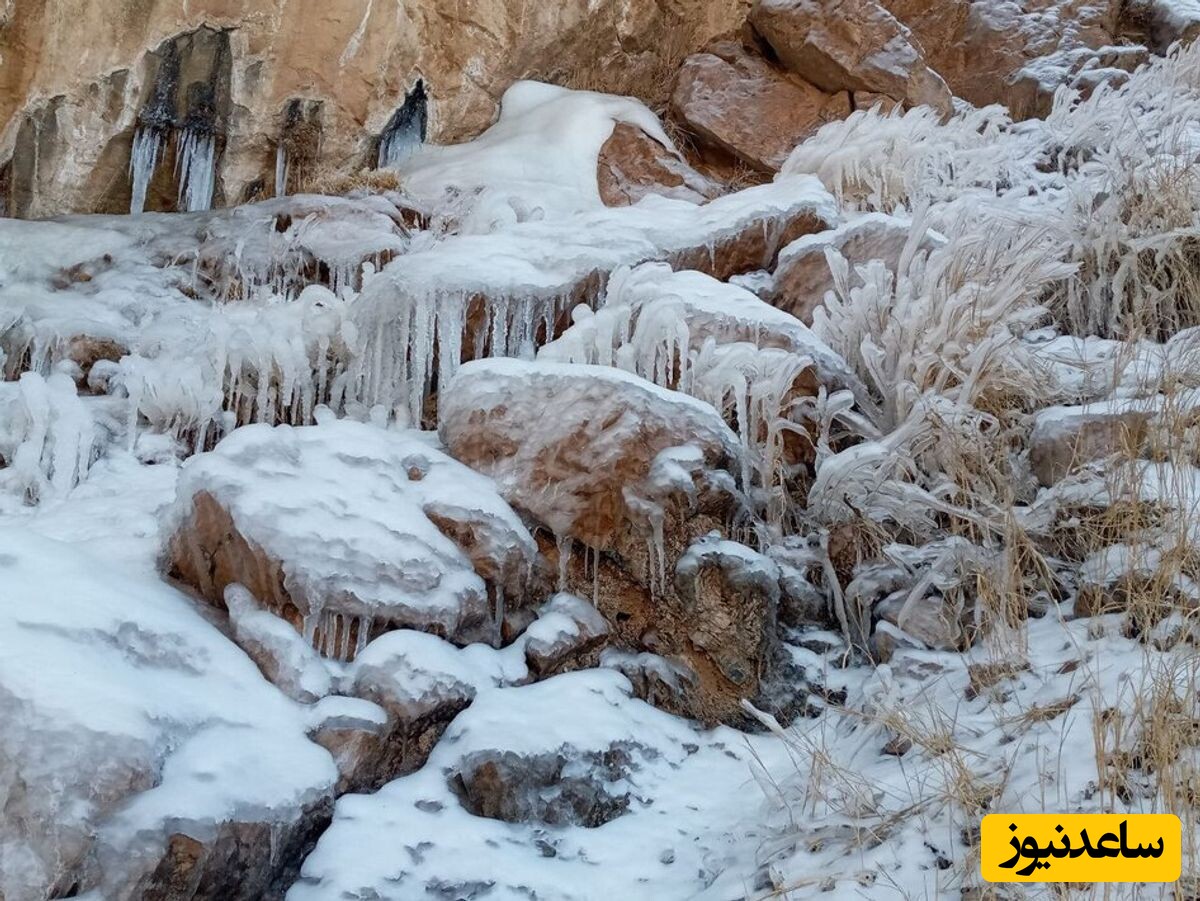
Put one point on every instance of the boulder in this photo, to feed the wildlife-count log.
(739, 103)
(803, 277)
(1066, 438)
(143, 755)
(630, 480)
(850, 45)
(347, 530)
(566, 631)
(633, 165)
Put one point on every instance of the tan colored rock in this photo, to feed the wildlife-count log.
(803, 277)
(854, 45)
(743, 105)
(565, 634)
(633, 165)
(75, 76)
(1066, 438)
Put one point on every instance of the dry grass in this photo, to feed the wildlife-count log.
(342, 184)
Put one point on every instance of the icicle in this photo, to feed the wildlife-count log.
(498, 634)
(564, 544)
(281, 171)
(195, 170)
(364, 631)
(343, 653)
(143, 160)
(405, 132)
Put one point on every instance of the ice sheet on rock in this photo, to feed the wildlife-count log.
(687, 789)
(606, 412)
(349, 511)
(48, 438)
(150, 292)
(652, 319)
(413, 673)
(526, 277)
(285, 658)
(127, 716)
(538, 161)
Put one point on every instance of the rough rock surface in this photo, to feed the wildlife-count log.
(1018, 53)
(347, 531)
(741, 104)
(802, 275)
(850, 45)
(632, 165)
(1066, 438)
(330, 77)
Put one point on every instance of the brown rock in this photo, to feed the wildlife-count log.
(244, 861)
(985, 51)
(743, 105)
(634, 539)
(566, 633)
(850, 45)
(802, 275)
(1065, 439)
(632, 165)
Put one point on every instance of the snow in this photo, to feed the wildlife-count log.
(685, 787)
(538, 161)
(111, 682)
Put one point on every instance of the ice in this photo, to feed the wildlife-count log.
(195, 169)
(285, 658)
(48, 439)
(501, 294)
(128, 716)
(143, 160)
(405, 132)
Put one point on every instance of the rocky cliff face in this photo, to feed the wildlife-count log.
(272, 91)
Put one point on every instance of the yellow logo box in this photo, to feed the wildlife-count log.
(1091, 847)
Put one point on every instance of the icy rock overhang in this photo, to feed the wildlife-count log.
(130, 720)
(347, 530)
(660, 783)
(505, 294)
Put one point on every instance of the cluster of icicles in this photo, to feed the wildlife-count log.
(414, 341)
(195, 166)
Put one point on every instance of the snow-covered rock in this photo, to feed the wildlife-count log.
(133, 731)
(567, 628)
(589, 470)
(564, 789)
(347, 530)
